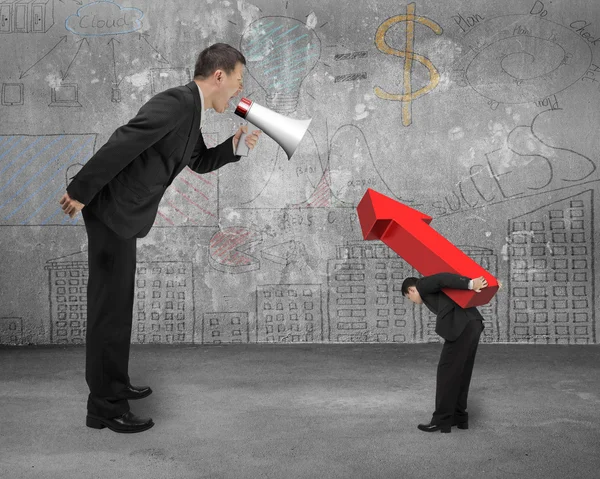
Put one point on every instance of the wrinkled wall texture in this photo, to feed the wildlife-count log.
(483, 115)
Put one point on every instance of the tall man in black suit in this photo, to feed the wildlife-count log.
(121, 187)
(461, 328)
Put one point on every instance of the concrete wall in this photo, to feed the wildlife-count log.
(492, 129)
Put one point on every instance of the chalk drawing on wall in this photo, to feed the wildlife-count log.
(284, 253)
(11, 331)
(352, 168)
(68, 278)
(31, 179)
(65, 95)
(551, 277)
(12, 94)
(163, 305)
(523, 58)
(35, 16)
(104, 18)
(350, 57)
(365, 301)
(280, 52)
(534, 160)
(300, 179)
(228, 250)
(93, 21)
(225, 328)
(289, 313)
(162, 312)
(408, 94)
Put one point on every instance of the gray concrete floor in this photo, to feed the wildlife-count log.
(305, 411)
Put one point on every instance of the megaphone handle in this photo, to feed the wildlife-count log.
(242, 149)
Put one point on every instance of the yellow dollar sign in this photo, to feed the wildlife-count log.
(434, 77)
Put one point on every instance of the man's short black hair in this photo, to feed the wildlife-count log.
(407, 283)
(219, 56)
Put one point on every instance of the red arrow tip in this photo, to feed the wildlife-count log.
(376, 211)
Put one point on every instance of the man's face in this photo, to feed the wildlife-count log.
(414, 295)
(229, 87)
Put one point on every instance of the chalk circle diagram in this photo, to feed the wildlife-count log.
(522, 58)
(228, 250)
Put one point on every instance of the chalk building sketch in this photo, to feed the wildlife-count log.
(365, 301)
(552, 273)
(162, 307)
(67, 281)
(289, 313)
(225, 328)
(11, 331)
(163, 311)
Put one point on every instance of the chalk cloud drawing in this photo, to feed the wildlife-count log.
(103, 18)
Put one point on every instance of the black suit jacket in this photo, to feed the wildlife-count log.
(123, 183)
(451, 318)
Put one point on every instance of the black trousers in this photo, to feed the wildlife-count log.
(110, 294)
(454, 375)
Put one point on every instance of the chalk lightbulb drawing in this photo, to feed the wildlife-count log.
(280, 53)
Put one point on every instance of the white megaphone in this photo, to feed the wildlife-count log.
(285, 131)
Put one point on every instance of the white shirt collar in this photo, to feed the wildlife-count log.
(201, 106)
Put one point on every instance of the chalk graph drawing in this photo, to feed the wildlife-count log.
(228, 250)
(280, 52)
(551, 277)
(522, 58)
(27, 16)
(299, 178)
(408, 95)
(289, 313)
(32, 176)
(341, 182)
(163, 303)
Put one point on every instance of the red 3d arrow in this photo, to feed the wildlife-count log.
(407, 232)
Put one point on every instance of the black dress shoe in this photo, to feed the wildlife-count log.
(434, 427)
(127, 423)
(135, 392)
(461, 425)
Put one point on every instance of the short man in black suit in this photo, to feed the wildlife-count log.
(121, 187)
(461, 328)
